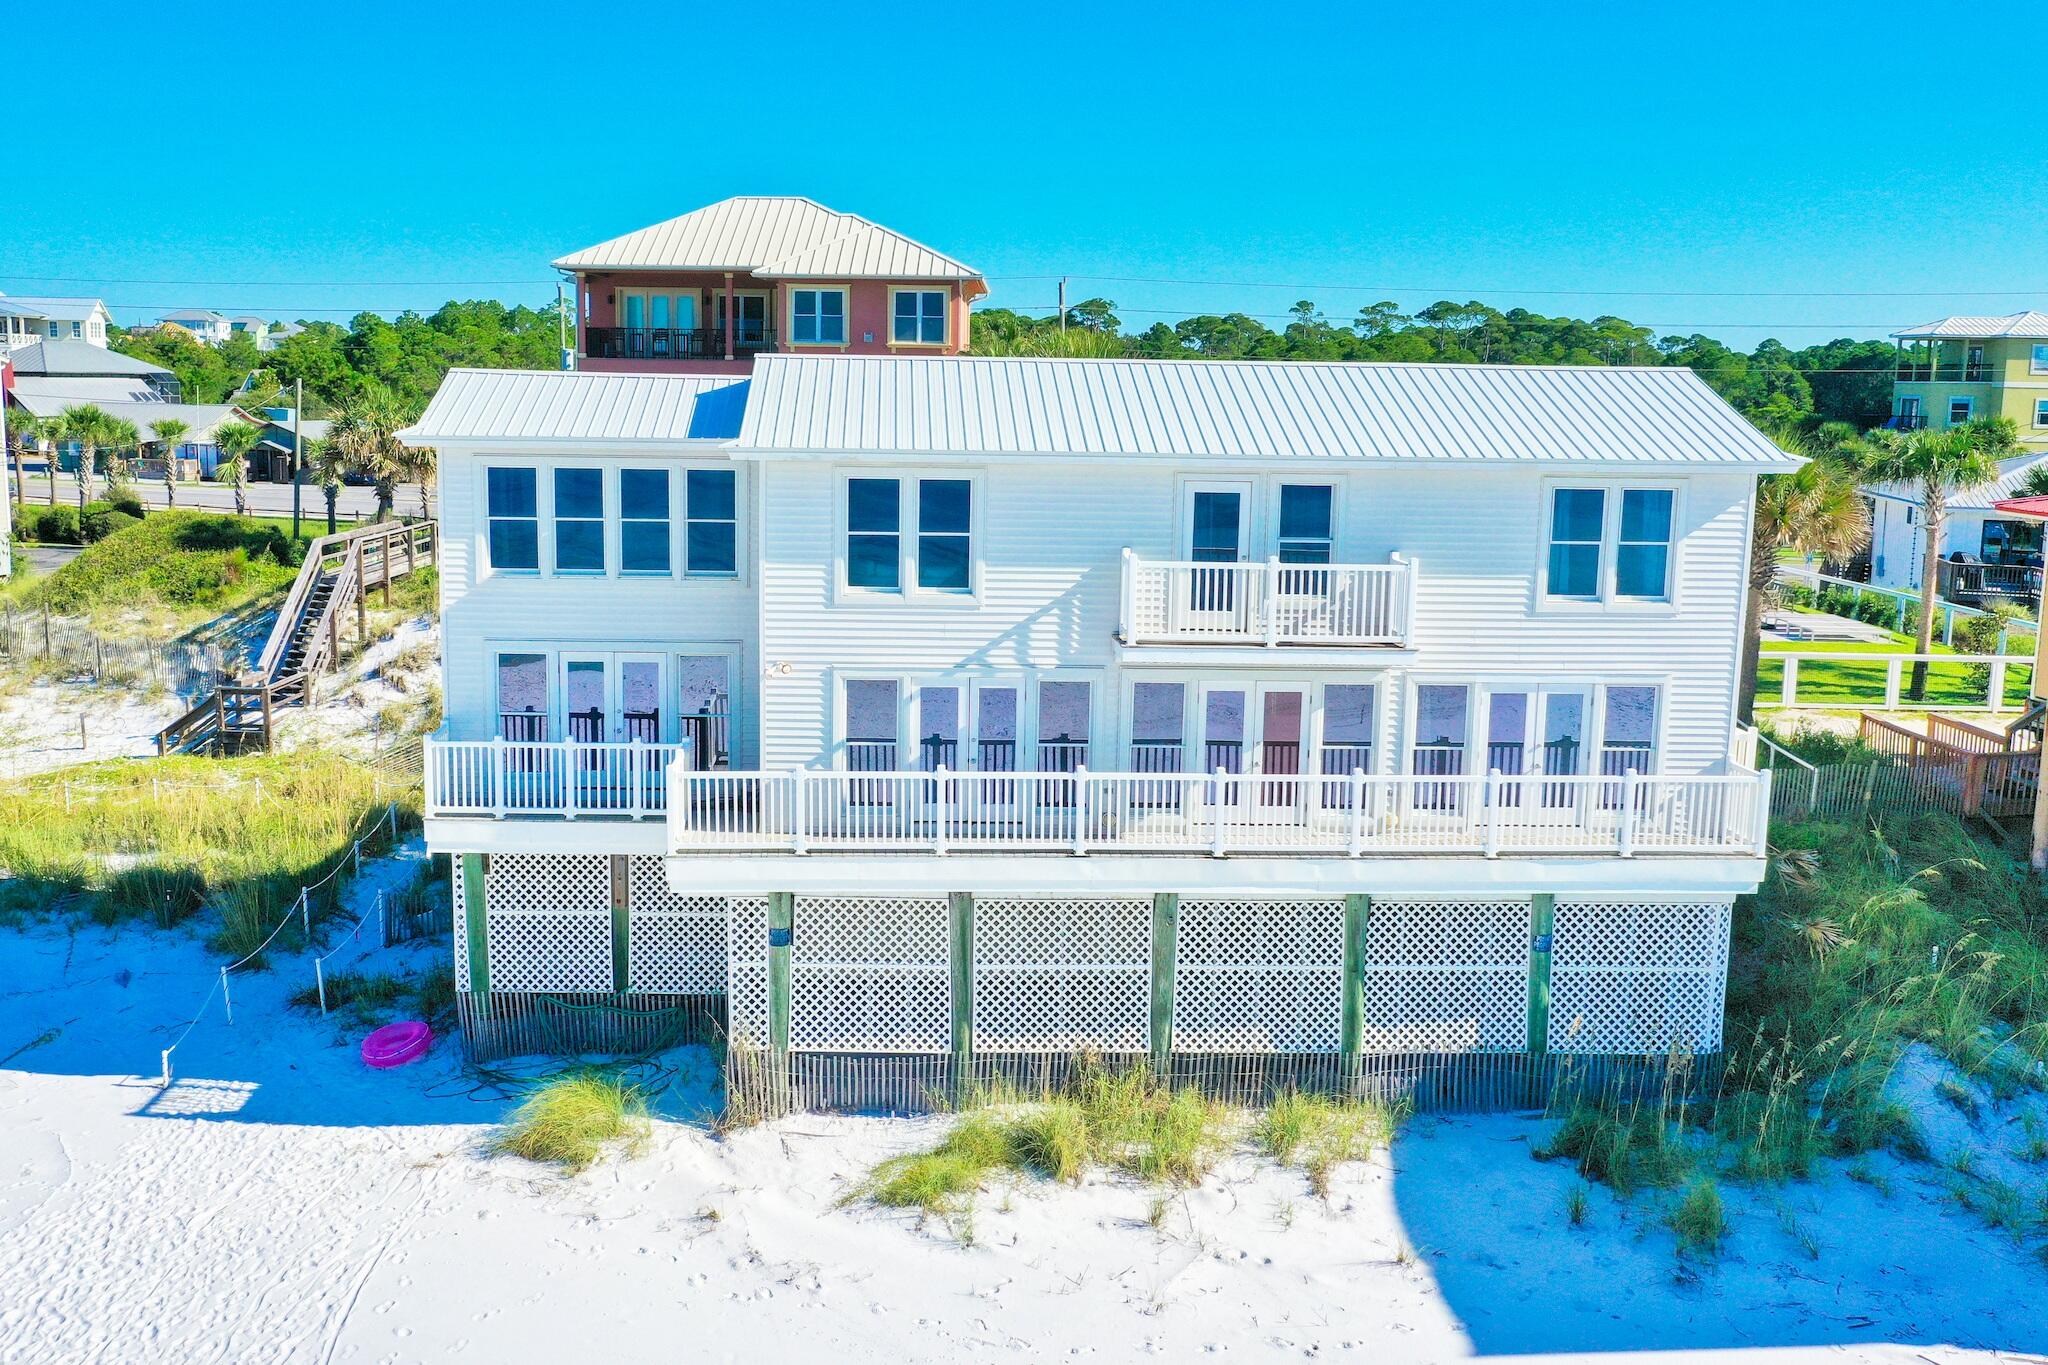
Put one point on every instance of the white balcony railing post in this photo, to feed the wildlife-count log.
(1631, 784)
(1127, 626)
(1271, 596)
(1761, 832)
(500, 776)
(1080, 809)
(1490, 840)
(1357, 812)
(1412, 595)
(939, 804)
(1216, 812)
(799, 836)
(636, 777)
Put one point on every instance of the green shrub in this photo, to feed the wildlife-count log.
(571, 1119)
(50, 525)
(128, 502)
(100, 520)
(1700, 1220)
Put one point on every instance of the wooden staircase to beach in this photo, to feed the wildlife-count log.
(339, 573)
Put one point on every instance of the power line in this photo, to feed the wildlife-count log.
(275, 284)
(1290, 317)
(1472, 291)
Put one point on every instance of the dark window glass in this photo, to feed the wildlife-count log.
(579, 521)
(713, 525)
(714, 547)
(514, 525)
(643, 521)
(874, 520)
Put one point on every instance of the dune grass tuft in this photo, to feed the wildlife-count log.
(571, 1120)
(1321, 1132)
(1700, 1220)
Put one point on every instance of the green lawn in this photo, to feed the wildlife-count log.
(1826, 683)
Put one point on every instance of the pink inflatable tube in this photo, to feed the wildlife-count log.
(397, 1044)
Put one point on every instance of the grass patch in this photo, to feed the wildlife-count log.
(1700, 1220)
(362, 993)
(180, 560)
(1860, 682)
(1626, 1146)
(160, 840)
(1126, 1121)
(1321, 1132)
(573, 1119)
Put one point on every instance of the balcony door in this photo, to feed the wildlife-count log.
(1258, 729)
(704, 707)
(750, 322)
(1539, 732)
(614, 698)
(1217, 532)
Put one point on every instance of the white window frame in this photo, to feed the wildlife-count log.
(543, 535)
(1968, 405)
(668, 517)
(1336, 487)
(2041, 412)
(911, 684)
(945, 315)
(818, 292)
(2037, 358)
(908, 530)
(739, 538)
(606, 518)
(1607, 598)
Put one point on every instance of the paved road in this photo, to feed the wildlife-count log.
(266, 499)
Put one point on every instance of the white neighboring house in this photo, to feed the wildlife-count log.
(25, 321)
(1323, 712)
(1987, 556)
(203, 323)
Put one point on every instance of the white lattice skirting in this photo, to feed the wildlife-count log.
(1638, 979)
(1258, 976)
(1062, 975)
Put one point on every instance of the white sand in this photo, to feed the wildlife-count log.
(280, 1202)
(40, 726)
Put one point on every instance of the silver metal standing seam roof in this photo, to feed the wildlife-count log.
(1243, 409)
(2012, 474)
(571, 406)
(2029, 324)
(63, 356)
(58, 310)
(773, 237)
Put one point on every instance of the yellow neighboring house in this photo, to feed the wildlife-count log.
(1956, 369)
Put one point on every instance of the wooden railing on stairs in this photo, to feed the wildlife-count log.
(240, 715)
(1959, 767)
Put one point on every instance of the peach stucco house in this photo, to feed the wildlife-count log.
(799, 277)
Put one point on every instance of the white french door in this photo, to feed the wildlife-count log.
(1216, 536)
(1534, 732)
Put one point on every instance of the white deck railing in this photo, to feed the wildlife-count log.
(500, 778)
(1355, 816)
(1269, 603)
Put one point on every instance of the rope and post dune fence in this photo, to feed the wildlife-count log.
(299, 908)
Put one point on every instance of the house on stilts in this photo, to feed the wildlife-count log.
(922, 717)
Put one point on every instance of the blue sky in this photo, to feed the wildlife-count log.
(1744, 170)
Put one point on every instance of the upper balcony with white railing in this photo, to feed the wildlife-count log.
(1267, 603)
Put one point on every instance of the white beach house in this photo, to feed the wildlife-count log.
(927, 717)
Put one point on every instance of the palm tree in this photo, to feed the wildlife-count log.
(167, 434)
(365, 434)
(1816, 510)
(1938, 464)
(122, 440)
(236, 439)
(324, 461)
(422, 463)
(28, 431)
(89, 427)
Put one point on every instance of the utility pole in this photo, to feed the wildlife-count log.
(1063, 305)
(562, 325)
(298, 449)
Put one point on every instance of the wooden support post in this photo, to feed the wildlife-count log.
(1351, 1040)
(473, 923)
(1542, 929)
(622, 966)
(960, 914)
(781, 929)
(1165, 958)
(263, 691)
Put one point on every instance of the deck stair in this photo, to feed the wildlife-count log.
(1962, 767)
(334, 582)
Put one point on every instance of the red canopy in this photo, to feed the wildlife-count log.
(2024, 507)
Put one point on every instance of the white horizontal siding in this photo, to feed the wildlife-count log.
(1050, 543)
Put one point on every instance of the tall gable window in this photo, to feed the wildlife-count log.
(1576, 517)
(513, 514)
(1642, 561)
(579, 521)
(643, 521)
(713, 522)
(817, 317)
(874, 534)
(920, 317)
(944, 508)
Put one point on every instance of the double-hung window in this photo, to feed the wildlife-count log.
(513, 515)
(579, 521)
(944, 551)
(1306, 530)
(714, 526)
(817, 316)
(1609, 544)
(1642, 559)
(874, 534)
(1959, 410)
(643, 521)
(1577, 519)
(2039, 362)
(920, 316)
(2041, 412)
